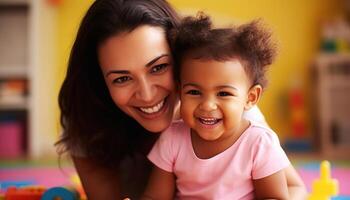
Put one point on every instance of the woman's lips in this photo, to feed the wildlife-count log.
(154, 111)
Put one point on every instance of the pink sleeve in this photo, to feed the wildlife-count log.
(162, 154)
(269, 156)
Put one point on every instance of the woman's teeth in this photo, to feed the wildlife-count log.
(208, 121)
(154, 109)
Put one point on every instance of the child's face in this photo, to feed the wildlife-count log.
(213, 97)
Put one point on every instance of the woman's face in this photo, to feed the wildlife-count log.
(137, 69)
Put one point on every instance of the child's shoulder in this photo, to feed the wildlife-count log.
(259, 131)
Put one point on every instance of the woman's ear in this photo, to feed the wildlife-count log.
(253, 95)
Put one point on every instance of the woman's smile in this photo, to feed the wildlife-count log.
(155, 111)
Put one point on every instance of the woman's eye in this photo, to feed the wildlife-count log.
(121, 80)
(224, 94)
(159, 68)
(193, 92)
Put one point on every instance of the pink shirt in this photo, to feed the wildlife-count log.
(228, 175)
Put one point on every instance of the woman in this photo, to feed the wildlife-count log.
(118, 92)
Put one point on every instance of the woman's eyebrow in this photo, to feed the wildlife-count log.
(127, 72)
(155, 59)
(117, 72)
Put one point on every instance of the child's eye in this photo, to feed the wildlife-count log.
(193, 92)
(224, 94)
(159, 68)
(121, 80)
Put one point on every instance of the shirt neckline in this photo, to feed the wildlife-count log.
(219, 155)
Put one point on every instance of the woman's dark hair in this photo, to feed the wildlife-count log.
(251, 43)
(90, 119)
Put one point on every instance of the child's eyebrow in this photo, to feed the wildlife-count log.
(217, 87)
(226, 86)
(190, 84)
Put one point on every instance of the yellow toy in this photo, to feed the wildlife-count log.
(325, 187)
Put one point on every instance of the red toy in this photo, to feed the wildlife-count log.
(27, 193)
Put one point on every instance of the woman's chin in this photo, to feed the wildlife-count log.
(156, 126)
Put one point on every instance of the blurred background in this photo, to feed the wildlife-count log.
(307, 101)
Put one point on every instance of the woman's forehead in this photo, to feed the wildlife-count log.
(134, 48)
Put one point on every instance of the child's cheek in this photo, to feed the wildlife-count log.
(187, 112)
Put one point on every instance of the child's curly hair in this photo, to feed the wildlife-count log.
(250, 43)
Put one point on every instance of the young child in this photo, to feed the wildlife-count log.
(215, 153)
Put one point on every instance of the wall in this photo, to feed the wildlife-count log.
(44, 67)
(296, 25)
(69, 15)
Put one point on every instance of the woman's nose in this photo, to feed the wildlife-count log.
(146, 90)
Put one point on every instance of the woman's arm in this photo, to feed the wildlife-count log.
(296, 187)
(98, 182)
(161, 185)
(271, 187)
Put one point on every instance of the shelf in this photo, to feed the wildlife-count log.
(334, 56)
(13, 72)
(333, 89)
(14, 2)
(13, 104)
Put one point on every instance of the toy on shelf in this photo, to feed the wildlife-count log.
(325, 187)
(298, 139)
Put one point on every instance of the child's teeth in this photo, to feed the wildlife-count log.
(208, 121)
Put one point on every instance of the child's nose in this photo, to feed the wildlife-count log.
(208, 105)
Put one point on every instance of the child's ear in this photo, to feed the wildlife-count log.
(253, 95)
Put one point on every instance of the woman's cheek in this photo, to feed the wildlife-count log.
(168, 80)
(120, 96)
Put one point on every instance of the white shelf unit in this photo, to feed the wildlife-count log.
(333, 104)
(28, 51)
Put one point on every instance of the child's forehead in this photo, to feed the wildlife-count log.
(211, 60)
(206, 53)
(213, 73)
(211, 66)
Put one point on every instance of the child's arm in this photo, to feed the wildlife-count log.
(161, 185)
(271, 187)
